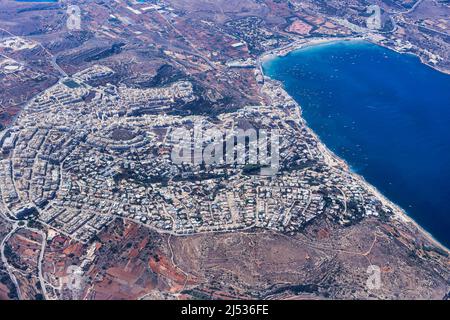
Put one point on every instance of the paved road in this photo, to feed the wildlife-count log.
(5, 261)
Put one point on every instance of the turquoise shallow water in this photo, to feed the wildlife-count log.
(386, 114)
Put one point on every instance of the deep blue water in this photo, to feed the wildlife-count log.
(386, 114)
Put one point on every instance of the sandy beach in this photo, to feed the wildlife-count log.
(331, 157)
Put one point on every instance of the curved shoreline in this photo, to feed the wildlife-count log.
(305, 43)
(400, 213)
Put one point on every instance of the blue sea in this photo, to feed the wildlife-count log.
(386, 114)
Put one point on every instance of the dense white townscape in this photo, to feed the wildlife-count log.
(80, 155)
(146, 155)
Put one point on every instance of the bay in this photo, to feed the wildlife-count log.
(386, 114)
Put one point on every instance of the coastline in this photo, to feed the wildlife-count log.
(422, 60)
(311, 42)
(400, 213)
